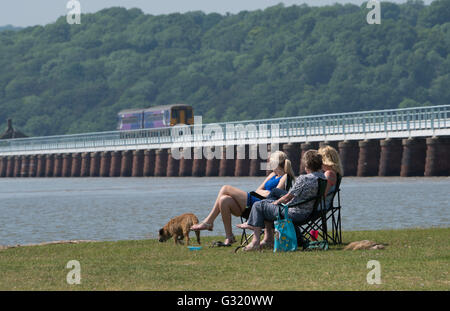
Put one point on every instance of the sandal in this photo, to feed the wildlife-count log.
(206, 226)
(231, 240)
(220, 244)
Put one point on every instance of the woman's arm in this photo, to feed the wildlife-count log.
(284, 199)
(261, 191)
(282, 182)
(261, 187)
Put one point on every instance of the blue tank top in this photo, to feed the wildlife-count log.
(272, 183)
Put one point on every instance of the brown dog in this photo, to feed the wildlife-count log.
(179, 228)
(365, 244)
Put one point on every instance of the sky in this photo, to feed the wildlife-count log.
(40, 12)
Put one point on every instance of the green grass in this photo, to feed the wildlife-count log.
(415, 259)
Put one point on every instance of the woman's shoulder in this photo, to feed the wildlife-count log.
(271, 175)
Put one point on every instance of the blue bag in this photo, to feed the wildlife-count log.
(285, 236)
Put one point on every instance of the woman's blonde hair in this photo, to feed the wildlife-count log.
(279, 158)
(330, 157)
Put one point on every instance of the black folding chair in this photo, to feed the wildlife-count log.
(319, 218)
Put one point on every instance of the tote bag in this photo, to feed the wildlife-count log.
(285, 236)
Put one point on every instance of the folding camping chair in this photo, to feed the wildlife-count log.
(319, 200)
(319, 220)
(245, 239)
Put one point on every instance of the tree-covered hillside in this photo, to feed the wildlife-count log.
(9, 27)
(281, 61)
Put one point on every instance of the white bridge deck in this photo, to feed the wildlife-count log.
(381, 124)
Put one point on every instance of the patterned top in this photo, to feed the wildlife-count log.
(305, 187)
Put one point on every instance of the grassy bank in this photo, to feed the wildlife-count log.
(415, 259)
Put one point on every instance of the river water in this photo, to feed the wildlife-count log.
(34, 210)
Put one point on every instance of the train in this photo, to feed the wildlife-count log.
(155, 117)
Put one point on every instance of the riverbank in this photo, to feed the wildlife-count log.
(414, 259)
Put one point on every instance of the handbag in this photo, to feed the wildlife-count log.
(285, 236)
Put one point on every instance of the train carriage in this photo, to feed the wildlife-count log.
(153, 117)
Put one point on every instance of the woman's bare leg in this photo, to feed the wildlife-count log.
(228, 207)
(240, 198)
(255, 243)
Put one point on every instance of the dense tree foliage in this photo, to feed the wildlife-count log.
(9, 27)
(277, 62)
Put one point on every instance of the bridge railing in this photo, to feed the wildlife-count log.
(381, 121)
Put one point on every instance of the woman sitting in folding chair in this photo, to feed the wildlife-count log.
(332, 167)
(265, 212)
(233, 201)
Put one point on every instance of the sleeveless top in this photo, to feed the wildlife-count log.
(272, 183)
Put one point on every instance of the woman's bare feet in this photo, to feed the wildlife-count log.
(253, 246)
(202, 226)
(245, 226)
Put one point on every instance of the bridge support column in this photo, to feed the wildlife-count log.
(49, 163)
(138, 163)
(67, 165)
(173, 165)
(305, 147)
(437, 156)
(33, 166)
(94, 169)
(105, 163)
(413, 158)
(76, 165)
(186, 162)
(17, 166)
(293, 152)
(369, 157)
(116, 160)
(57, 165)
(127, 162)
(85, 164)
(3, 166)
(227, 163)
(255, 160)
(390, 157)
(199, 164)
(242, 166)
(161, 162)
(213, 165)
(349, 153)
(25, 166)
(40, 170)
(149, 162)
(10, 166)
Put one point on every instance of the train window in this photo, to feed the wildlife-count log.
(129, 120)
(175, 114)
(188, 113)
(166, 117)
